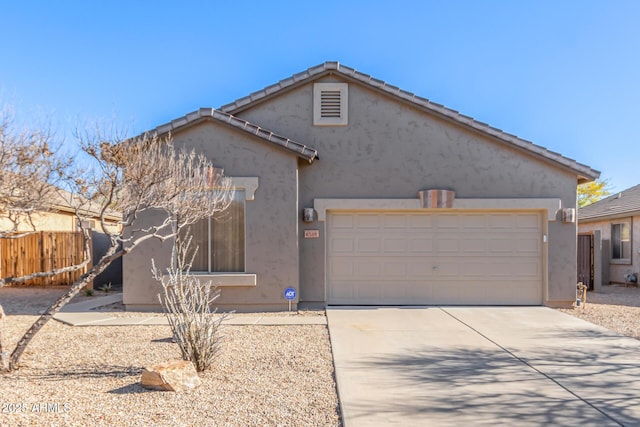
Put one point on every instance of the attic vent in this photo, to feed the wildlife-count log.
(330, 104)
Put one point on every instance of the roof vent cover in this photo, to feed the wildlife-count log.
(330, 104)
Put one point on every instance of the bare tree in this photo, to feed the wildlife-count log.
(29, 170)
(141, 177)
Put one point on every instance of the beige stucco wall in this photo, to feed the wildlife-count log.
(390, 150)
(617, 270)
(56, 221)
(47, 221)
(271, 222)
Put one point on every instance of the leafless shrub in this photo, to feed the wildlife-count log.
(188, 306)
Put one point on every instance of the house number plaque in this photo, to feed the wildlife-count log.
(311, 234)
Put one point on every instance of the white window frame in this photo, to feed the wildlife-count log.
(343, 89)
(249, 185)
(622, 223)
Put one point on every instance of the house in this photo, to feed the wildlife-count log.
(607, 230)
(353, 191)
(61, 217)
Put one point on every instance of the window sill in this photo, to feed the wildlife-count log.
(620, 261)
(227, 279)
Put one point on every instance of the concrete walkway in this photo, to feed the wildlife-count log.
(81, 314)
(524, 366)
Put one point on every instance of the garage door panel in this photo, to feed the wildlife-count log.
(501, 221)
(422, 245)
(394, 269)
(342, 245)
(420, 269)
(531, 246)
(340, 269)
(419, 221)
(448, 246)
(527, 221)
(473, 246)
(425, 258)
(368, 245)
(395, 222)
(368, 268)
(339, 221)
(395, 245)
(368, 222)
(376, 291)
(500, 245)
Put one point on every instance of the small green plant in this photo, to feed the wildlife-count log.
(106, 288)
(88, 292)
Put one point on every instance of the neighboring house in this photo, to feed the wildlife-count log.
(609, 234)
(331, 168)
(61, 217)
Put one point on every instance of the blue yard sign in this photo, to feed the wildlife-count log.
(290, 294)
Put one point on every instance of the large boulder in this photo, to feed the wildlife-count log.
(175, 375)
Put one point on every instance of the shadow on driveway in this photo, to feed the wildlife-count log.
(408, 367)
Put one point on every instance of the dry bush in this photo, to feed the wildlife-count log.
(188, 306)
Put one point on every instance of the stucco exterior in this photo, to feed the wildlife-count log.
(270, 218)
(616, 270)
(390, 149)
(49, 221)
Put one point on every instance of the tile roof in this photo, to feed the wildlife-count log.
(301, 150)
(66, 201)
(584, 172)
(623, 203)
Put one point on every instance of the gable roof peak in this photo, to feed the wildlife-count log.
(583, 172)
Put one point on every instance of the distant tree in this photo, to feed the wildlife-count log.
(146, 174)
(593, 191)
(29, 171)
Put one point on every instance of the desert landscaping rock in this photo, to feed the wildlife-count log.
(175, 375)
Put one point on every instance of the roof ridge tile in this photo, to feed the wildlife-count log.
(308, 153)
(583, 171)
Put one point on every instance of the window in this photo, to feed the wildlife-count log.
(621, 242)
(220, 239)
(330, 104)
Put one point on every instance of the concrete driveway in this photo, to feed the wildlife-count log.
(452, 366)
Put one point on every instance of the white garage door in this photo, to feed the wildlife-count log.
(449, 258)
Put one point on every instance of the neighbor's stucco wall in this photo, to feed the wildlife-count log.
(271, 221)
(391, 150)
(616, 270)
(56, 221)
(45, 221)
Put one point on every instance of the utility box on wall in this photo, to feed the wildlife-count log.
(307, 215)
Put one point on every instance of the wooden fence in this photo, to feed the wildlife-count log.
(43, 251)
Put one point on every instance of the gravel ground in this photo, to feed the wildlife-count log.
(614, 307)
(79, 376)
(265, 376)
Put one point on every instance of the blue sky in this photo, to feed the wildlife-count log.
(564, 74)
